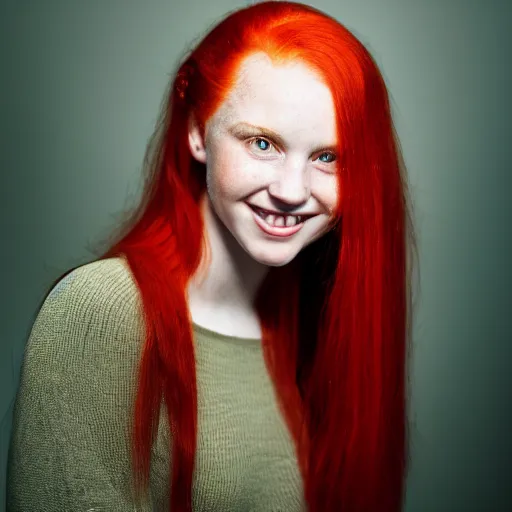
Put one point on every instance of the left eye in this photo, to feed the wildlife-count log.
(329, 155)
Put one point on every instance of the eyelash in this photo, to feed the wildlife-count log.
(254, 139)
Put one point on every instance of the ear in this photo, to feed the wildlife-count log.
(196, 142)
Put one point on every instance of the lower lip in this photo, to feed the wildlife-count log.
(276, 230)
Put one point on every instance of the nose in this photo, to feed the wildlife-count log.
(292, 185)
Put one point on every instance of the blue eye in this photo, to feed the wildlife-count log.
(266, 144)
(330, 155)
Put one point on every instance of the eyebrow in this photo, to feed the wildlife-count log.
(249, 130)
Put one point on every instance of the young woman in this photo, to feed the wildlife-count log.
(242, 345)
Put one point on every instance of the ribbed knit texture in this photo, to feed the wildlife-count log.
(70, 443)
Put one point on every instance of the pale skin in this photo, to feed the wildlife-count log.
(293, 172)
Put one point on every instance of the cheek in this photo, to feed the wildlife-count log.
(220, 179)
(218, 174)
(230, 177)
(327, 190)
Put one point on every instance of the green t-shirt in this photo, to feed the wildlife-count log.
(70, 443)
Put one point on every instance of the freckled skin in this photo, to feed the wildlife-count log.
(293, 102)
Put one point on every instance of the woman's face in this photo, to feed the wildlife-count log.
(271, 163)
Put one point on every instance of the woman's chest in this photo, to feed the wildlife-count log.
(245, 459)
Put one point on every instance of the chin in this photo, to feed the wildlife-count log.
(273, 263)
(271, 258)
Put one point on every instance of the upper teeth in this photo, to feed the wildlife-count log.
(279, 220)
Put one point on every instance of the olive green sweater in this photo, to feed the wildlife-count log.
(70, 444)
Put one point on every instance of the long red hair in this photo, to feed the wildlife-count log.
(335, 321)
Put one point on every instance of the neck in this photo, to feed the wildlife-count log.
(225, 285)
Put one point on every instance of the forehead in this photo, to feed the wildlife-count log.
(290, 99)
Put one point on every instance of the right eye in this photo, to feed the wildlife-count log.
(261, 143)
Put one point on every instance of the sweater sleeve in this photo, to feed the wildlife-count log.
(70, 444)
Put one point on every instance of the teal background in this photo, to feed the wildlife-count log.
(80, 90)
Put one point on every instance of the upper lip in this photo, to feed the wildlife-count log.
(274, 212)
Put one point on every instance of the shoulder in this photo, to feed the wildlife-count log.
(104, 287)
(94, 283)
(76, 392)
(92, 312)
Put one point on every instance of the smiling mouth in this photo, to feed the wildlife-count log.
(279, 220)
